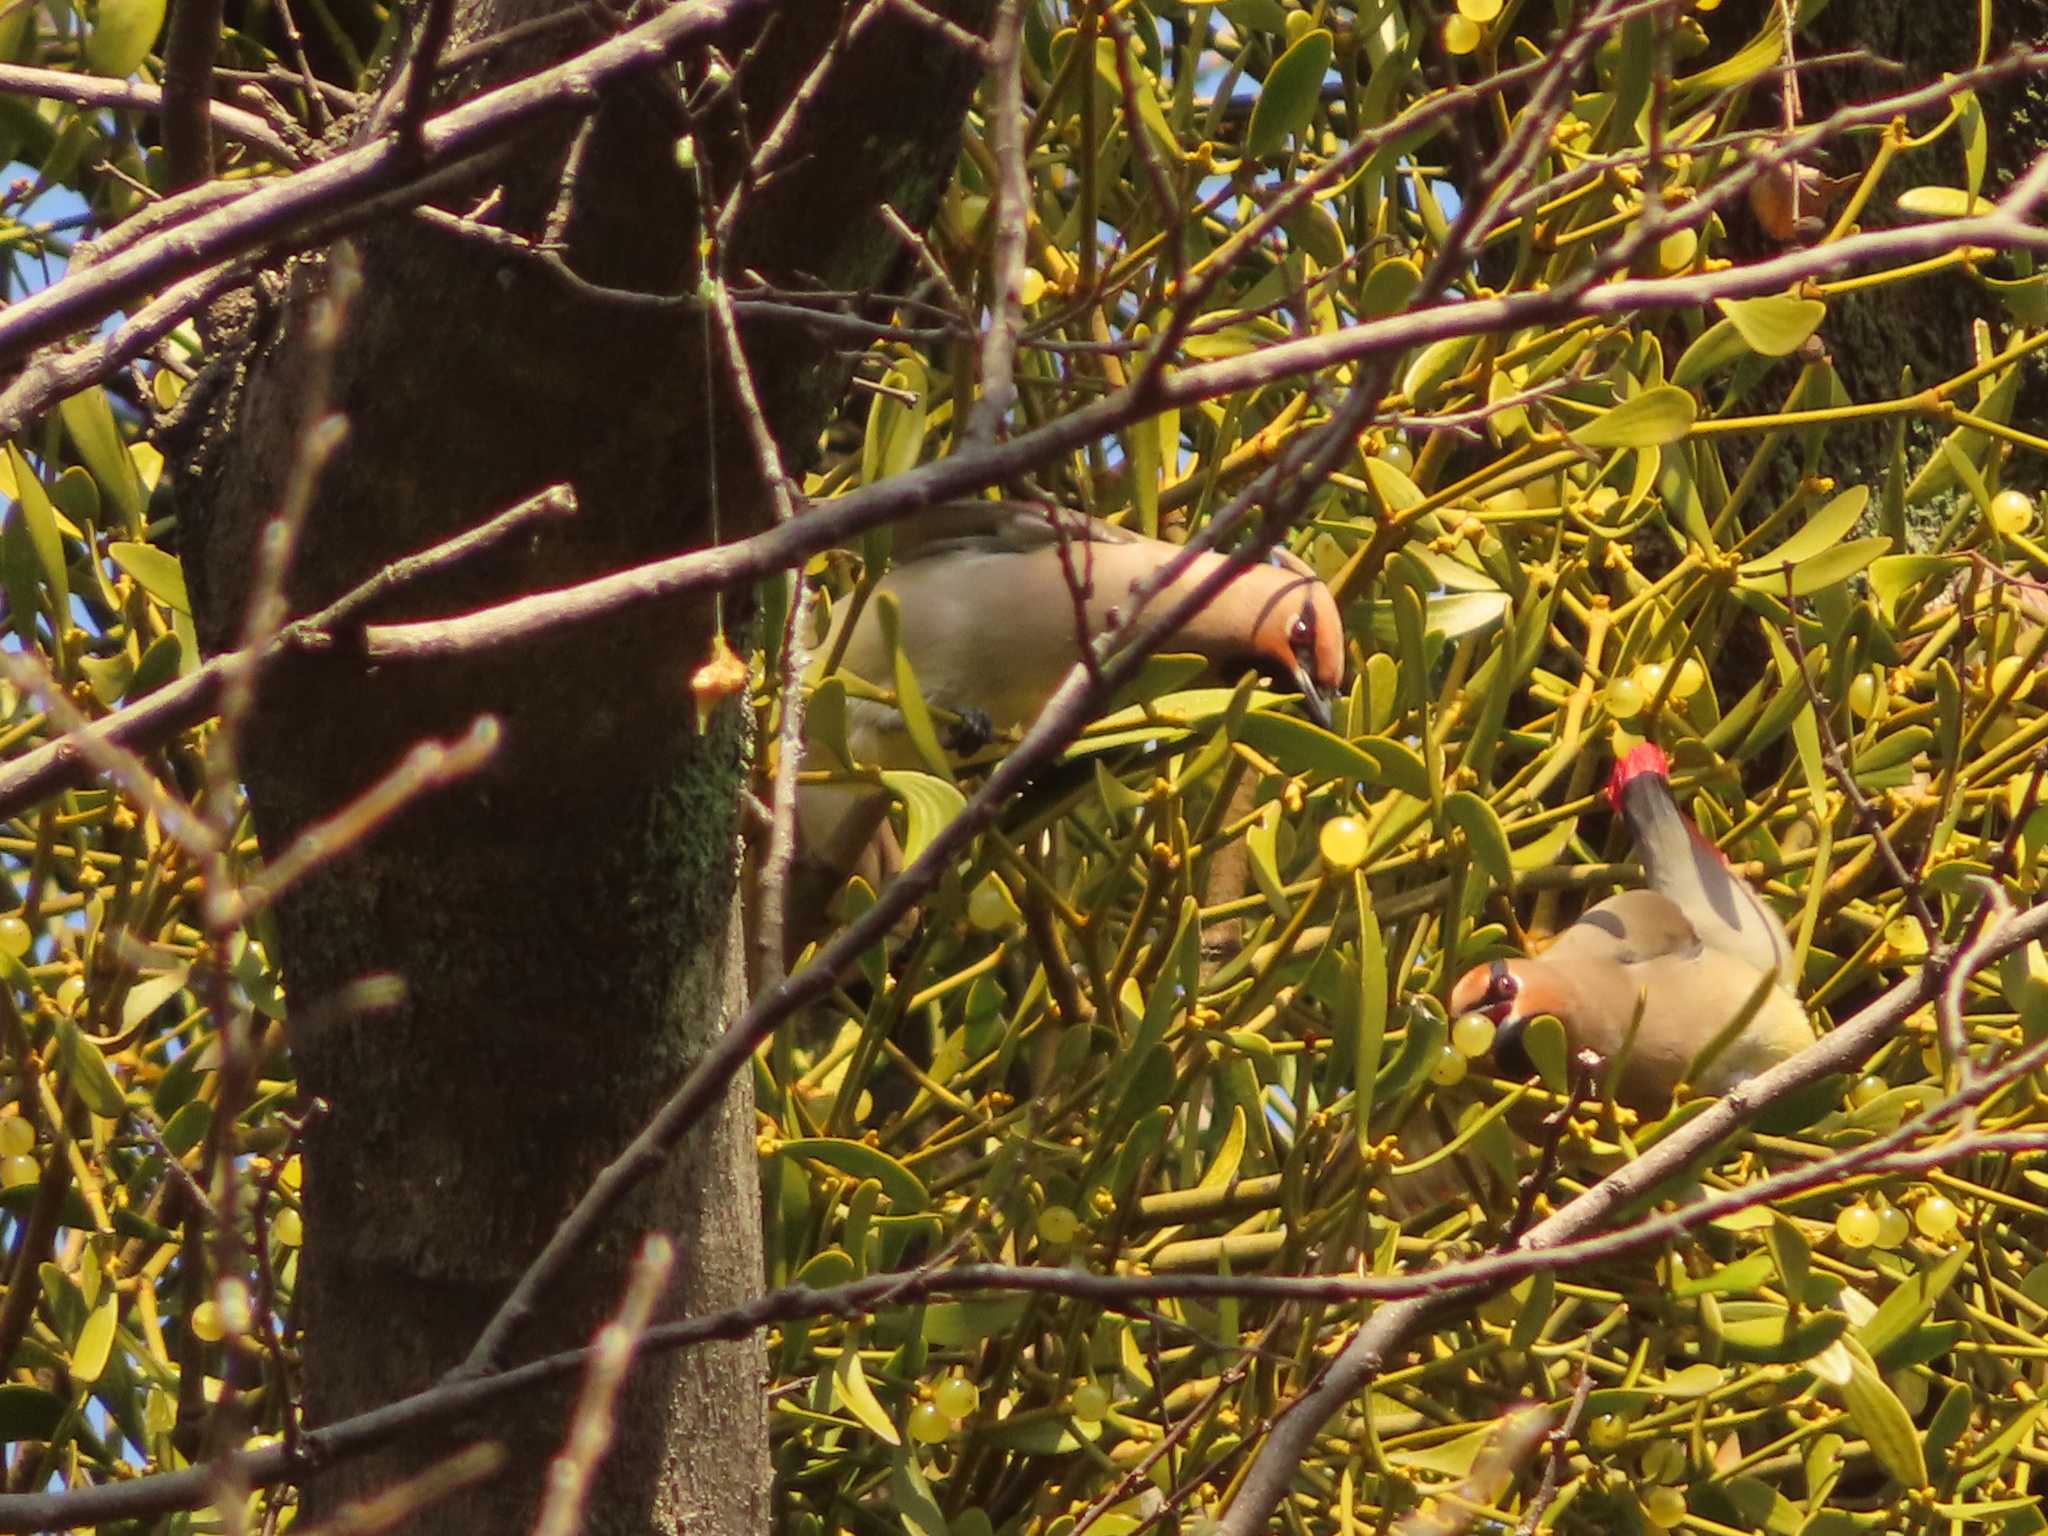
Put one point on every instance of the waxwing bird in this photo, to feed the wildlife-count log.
(996, 601)
(1637, 950)
(1679, 963)
(1790, 200)
(1690, 872)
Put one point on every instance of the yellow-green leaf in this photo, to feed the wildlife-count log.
(150, 994)
(39, 522)
(2025, 297)
(1886, 1425)
(1543, 850)
(1648, 420)
(1288, 100)
(1388, 287)
(96, 1339)
(1482, 829)
(90, 421)
(1371, 1021)
(1942, 203)
(910, 704)
(1434, 366)
(928, 804)
(895, 433)
(1719, 345)
(89, 1074)
(1775, 325)
(1820, 571)
(905, 1190)
(850, 1386)
(121, 36)
(1223, 1167)
(157, 571)
(1893, 576)
(1825, 529)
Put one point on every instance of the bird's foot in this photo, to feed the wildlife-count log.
(972, 730)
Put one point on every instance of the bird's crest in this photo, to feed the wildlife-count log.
(1644, 758)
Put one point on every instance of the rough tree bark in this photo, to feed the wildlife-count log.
(565, 922)
(1874, 336)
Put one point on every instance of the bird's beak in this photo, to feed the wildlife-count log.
(1313, 699)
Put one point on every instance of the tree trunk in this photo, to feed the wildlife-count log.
(1875, 335)
(565, 921)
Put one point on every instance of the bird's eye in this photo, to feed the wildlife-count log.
(1301, 635)
(1501, 984)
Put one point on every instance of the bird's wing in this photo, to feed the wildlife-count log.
(1012, 527)
(1627, 928)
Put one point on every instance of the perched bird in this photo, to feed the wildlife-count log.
(1790, 200)
(997, 599)
(1689, 954)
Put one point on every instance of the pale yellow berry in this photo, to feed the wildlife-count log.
(1937, 1217)
(17, 1135)
(1866, 694)
(1449, 1068)
(928, 1424)
(288, 1227)
(1089, 1402)
(1472, 1034)
(69, 991)
(206, 1322)
(1396, 454)
(957, 1397)
(1481, 11)
(17, 1170)
(1664, 1507)
(1606, 1431)
(1892, 1226)
(1342, 842)
(2005, 673)
(2012, 511)
(1625, 698)
(1869, 1088)
(1030, 287)
(1692, 677)
(15, 937)
(1650, 678)
(1856, 1225)
(1057, 1225)
(1461, 35)
(1676, 250)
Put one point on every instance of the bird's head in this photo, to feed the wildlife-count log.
(1510, 993)
(1297, 637)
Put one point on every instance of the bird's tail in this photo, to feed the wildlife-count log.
(1682, 866)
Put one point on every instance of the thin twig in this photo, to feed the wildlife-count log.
(1011, 215)
(93, 91)
(611, 1356)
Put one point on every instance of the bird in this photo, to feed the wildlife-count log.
(996, 600)
(1689, 954)
(1790, 199)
